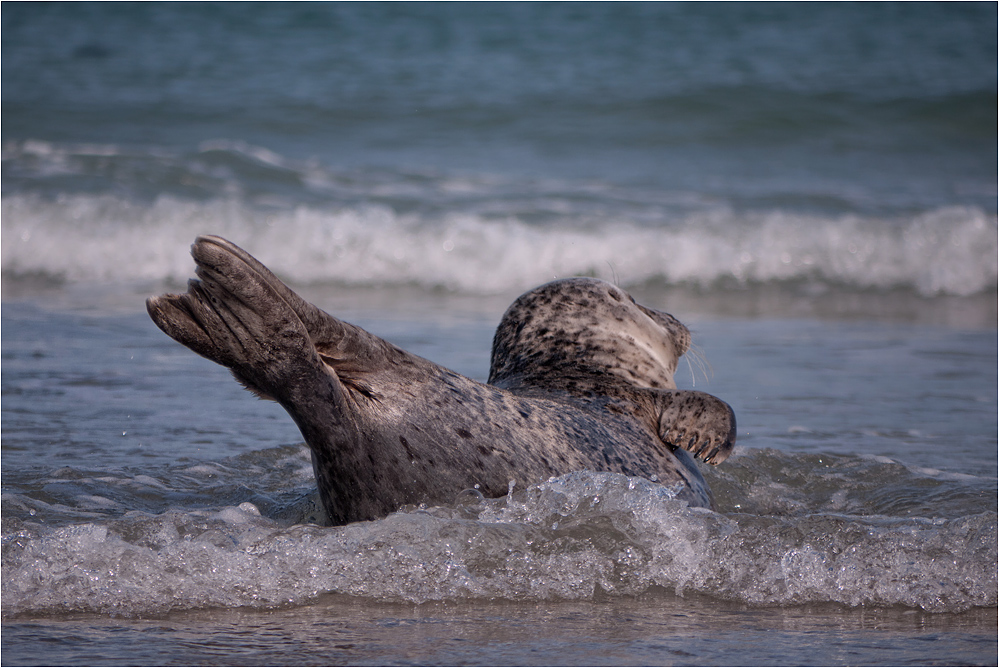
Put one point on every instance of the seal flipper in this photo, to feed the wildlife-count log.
(341, 345)
(697, 422)
(235, 318)
(312, 317)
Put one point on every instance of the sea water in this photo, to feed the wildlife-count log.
(811, 189)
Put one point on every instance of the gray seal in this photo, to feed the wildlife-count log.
(581, 378)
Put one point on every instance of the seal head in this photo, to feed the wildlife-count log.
(573, 333)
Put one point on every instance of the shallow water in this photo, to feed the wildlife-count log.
(655, 629)
(810, 189)
(840, 506)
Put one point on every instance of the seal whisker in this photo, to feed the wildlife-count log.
(695, 357)
(614, 278)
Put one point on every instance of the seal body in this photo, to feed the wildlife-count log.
(581, 378)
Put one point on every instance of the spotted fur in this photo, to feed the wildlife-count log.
(581, 378)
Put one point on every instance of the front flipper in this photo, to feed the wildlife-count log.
(697, 422)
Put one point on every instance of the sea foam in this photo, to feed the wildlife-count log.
(107, 213)
(574, 537)
(105, 238)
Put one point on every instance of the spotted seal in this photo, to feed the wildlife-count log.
(581, 378)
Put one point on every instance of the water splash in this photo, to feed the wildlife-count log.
(574, 537)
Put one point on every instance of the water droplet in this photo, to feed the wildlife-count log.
(248, 507)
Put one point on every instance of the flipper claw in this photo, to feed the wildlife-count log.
(697, 422)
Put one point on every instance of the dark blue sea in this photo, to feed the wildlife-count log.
(811, 188)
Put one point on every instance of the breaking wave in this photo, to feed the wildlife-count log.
(104, 238)
(577, 536)
(473, 234)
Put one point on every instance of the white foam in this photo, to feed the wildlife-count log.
(574, 537)
(106, 238)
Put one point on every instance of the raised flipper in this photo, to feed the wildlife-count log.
(237, 292)
(697, 422)
(234, 316)
(336, 341)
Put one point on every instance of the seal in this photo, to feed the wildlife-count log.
(581, 378)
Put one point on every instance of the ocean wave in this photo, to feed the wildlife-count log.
(495, 247)
(575, 537)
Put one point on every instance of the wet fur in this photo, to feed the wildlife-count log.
(581, 378)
